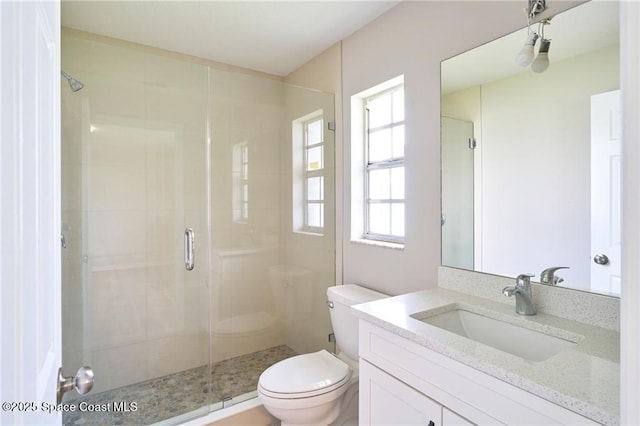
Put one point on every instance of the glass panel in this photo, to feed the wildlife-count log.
(315, 188)
(136, 172)
(259, 314)
(379, 184)
(314, 132)
(397, 183)
(135, 175)
(457, 193)
(379, 218)
(398, 106)
(397, 220)
(398, 141)
(245, 192)
(380, 145)
(245, 211)
(379, 111)
(245, 154)
(315, 215)
(314, 158)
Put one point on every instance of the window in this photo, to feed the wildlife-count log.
(313, 174)
(384, 165)
(241, 182)
(309, 167)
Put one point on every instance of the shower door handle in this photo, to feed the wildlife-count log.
(189, 249)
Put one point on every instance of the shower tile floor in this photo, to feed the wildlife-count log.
(179, 393)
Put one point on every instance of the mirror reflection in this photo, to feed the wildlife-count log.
(531, 161)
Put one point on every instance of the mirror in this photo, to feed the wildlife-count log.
(531, 161)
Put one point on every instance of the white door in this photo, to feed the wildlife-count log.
(606, 144)
(384, 400)
(30, 214)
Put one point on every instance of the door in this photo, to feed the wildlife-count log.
(457, 193)
(388, 401)
(29, 219)
(606, 144)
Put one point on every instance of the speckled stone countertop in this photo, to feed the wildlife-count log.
(584, 379)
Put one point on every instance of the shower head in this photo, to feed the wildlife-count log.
(73, 83)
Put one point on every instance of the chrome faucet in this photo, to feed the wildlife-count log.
(524, 297)
(548, 275)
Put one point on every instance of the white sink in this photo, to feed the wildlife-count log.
(528, 344)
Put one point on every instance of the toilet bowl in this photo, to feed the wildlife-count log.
(320, 388)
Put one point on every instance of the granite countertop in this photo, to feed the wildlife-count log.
(584, 379)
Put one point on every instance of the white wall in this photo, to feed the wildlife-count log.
(543, 169)
(412, 39)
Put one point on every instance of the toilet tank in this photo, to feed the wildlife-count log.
(345, 325)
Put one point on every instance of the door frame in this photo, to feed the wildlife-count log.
(630, 298)
(30, 314)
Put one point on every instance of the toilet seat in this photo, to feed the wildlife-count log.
(304, 376)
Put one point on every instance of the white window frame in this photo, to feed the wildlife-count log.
(241, 182)
(369, 166)
(300, 174)
(309, 174)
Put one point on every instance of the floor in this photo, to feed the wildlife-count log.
(175, 394)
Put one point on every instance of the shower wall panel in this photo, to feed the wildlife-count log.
(246, 135)
(268, 288)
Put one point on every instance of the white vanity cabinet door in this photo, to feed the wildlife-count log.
(385, 400)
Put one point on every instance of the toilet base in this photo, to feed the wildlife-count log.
(349, 408)
(331, 413)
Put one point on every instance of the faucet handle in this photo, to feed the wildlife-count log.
(554, 269)
(548, 275)
(524, 279)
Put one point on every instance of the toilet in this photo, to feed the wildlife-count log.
(320, 388)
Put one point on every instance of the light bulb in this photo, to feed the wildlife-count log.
(542, 60)
(525, 57)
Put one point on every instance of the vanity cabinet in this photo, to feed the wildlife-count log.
(392, 402)
(403, 382)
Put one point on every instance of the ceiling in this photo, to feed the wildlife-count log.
(275, 37)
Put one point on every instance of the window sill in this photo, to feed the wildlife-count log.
(309, 233)
(377, 243)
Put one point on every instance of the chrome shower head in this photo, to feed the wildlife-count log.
(73, 83)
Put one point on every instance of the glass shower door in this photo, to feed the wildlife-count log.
(135, 178)
(457, 189)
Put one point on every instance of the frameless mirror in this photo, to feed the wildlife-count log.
(531, 161)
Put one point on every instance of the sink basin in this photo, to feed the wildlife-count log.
(523, 342)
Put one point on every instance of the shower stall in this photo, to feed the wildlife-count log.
(198, 229)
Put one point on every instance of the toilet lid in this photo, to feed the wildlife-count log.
(308, 373)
